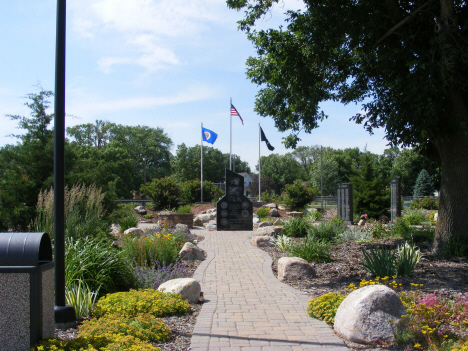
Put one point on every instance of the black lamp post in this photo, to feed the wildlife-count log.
(65, 316)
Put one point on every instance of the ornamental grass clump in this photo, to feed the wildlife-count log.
(379, 262)
(144, 327)
(81, 298)
(295, 227)
(148, 249)
(408, 256)
(414, 217)
(327, 232)
(311, 250)
(282, 242)
(136, 302)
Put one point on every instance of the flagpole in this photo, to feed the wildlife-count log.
(259, 165)
(230, 149)
(201, 163)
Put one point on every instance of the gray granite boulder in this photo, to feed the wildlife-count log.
(264, 224)
(274, 212)
(294, 268)
(189, 288)
(181, 226)
(269, 231)
(204, 218)
(140, 210)
(191, 252)
(369, 314)
(262, 241)
(272, 205)
(277, 222)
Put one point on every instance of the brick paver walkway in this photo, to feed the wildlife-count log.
(246, 307)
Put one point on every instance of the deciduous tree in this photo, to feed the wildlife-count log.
(404, 61)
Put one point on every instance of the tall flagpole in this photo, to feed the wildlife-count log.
(201, 163)
(230, 149)
(259, 165)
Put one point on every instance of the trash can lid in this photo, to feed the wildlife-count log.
(25, 249)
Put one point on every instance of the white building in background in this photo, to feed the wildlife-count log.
(247, 181)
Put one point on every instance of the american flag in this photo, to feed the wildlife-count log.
(235, 113)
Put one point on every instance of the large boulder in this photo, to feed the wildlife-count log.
(272, 205)
(197, 222)
(140, 210)
(264, 224)
(294, 268)
(181, 226)
(369, 314)
(134, 231)
(189, 288)
(262, 241)
(204, 218)
(274, 212)
(269, 231)
(191, 252)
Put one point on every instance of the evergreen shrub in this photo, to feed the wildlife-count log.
(423, 186)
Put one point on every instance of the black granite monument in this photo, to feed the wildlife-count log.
(345, 202)
(234, 210)
(395, 209)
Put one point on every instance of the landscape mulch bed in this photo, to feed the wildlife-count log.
(448, 275)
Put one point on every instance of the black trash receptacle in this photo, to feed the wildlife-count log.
(26, 290)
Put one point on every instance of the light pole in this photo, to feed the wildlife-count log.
(65, 316)
(235, 158)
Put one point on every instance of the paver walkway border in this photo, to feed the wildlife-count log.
(246, 308)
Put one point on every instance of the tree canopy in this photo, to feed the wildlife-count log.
(405, 62)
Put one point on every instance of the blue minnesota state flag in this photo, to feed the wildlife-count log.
(209, 136)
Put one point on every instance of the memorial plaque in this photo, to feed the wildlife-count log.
(345, 202)
(234, 209)
(395, 208)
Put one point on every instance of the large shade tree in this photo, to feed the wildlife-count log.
(405, 61)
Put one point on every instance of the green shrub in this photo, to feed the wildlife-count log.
(297, 195)
(327, 232)
(379, 262)
(190, 191)
(311, 250)
(84, 212)
(98, 264)
(262, 212)
(295, 227)
(417, 235)
(81, 298)
(401, 228)
(414, 217)
(325, 306)
(379, 231)
(136, 302)
(164, 192)
(184, 209)
(149, 249)
(124, 216)
(148, 216)
(267, 197)
(143, 327)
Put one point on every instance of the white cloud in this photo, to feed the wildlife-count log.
(149, 29)
(191, 94)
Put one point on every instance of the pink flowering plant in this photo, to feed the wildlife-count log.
(425, 203)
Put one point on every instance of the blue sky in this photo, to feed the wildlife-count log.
(162, 63)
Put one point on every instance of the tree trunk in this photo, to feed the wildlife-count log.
(452, 226)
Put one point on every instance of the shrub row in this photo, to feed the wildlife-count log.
(165, 193)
